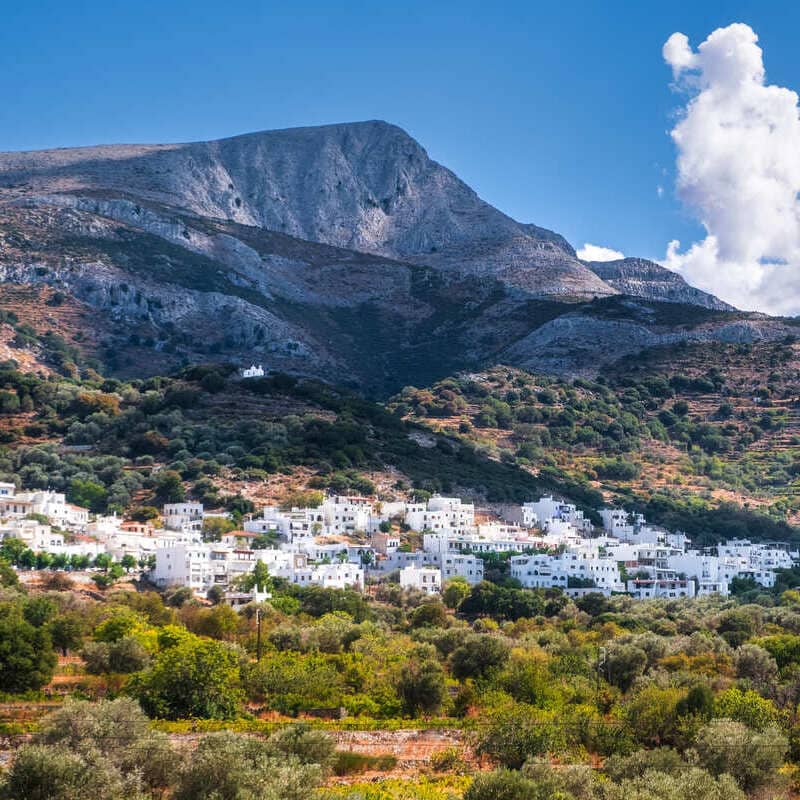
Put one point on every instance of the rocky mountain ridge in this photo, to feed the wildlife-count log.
(341, 251)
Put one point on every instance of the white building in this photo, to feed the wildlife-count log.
(438, 552)
(183, 516)
(567, 570)
(36, 536)
(547, 509)
(343, 515)
(183, 564)
(426, 579)
(253, 371)
(649, 588)
(338, 576)
(441, 514)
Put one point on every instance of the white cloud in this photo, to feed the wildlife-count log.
(593, 252)
(738, 142)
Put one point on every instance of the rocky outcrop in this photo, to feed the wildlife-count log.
(639, 277)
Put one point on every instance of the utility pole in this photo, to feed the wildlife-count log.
(601, 662)
(258, 634)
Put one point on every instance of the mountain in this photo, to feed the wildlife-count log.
(340, 251)
(639, 277)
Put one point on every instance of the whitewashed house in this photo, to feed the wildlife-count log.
(343, 515)
(183, 564)
(187, 516)
(426, 579)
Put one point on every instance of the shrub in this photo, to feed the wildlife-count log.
(752, 758)
(225, 765)
(193, 678)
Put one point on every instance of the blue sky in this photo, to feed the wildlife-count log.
(557, 113)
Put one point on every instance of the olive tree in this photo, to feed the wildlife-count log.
(724, 746)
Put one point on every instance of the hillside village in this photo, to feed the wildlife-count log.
(355, 542)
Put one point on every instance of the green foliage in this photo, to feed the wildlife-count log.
(511, 735)
(88, 493)
(502, 784)
(456, 590)
(231, 767)
(102, 750)
(27, 659)
(478, 657)
(193, 678)
(421, 687)
(751, 758)
(503, 602)
(747, 707)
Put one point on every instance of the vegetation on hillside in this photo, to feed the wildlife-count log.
(693, 446)
(671, 697)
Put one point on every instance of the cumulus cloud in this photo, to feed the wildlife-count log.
(593, 252)
(738, 168)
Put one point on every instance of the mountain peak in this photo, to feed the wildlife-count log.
(642, 278)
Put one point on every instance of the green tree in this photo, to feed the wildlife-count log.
(96, 656)
(478, 656)
(736, 627)
(8, 577)
(430, 614)
(66, 632)
(169, 487)
(421, 686)
(698, 702)
(144, 513)
(127, 655)
(307, 745)
(748, 707)
(27, 659)
(624, 664)
(128, 562)
(751, 757)
(215, 527)
(88, 493)
(39, 610)
(193, 678)
(455, 592)
(755, 664)
(514, 733)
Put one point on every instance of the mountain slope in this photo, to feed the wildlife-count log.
(342, 252)
(365, 186)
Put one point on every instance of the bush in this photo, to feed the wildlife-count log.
(225, 765)
(114, 743)
(307, 745)
(95, 656)
(192, 678)
(727, 747)
(421, 686)
(127, 655)
(692, 784)
(27, 659)
(512, 735)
